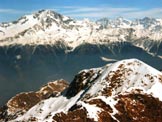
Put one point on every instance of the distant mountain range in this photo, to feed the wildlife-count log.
(47, 27)
(125, 91)
(47, 46)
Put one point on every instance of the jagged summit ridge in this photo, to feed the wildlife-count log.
(100, 93)
(123, 76)
(38, 20)
(48, 27)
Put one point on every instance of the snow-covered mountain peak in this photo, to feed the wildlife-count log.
(118, 78)
(42, 19)
(47, 15)
(148, 20)
(47, 27)
(118, 22)
(103, 92)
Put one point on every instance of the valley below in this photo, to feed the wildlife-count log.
(26, 68)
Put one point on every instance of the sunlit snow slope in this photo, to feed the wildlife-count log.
(120, 92)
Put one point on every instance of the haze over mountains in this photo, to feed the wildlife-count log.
(46, 46)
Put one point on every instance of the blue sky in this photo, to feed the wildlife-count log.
(79, 9)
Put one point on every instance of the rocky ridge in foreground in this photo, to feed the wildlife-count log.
(125, 91)
(22, 102)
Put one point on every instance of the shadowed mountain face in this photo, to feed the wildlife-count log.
(26, 68)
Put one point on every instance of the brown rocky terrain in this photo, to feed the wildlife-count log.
(131, 108)
(126, 91)
(22, 102)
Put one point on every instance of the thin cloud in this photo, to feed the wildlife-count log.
(95, 12)
(12, 11)
(68, 7)
(110, 12)
(99, 12)
(80, 10)
(96, 9)
(155, 13)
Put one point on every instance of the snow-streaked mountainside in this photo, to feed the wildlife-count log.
(43, 46)
(48, 27)
(125, 91)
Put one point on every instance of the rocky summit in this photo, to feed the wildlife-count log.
(124, 91)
